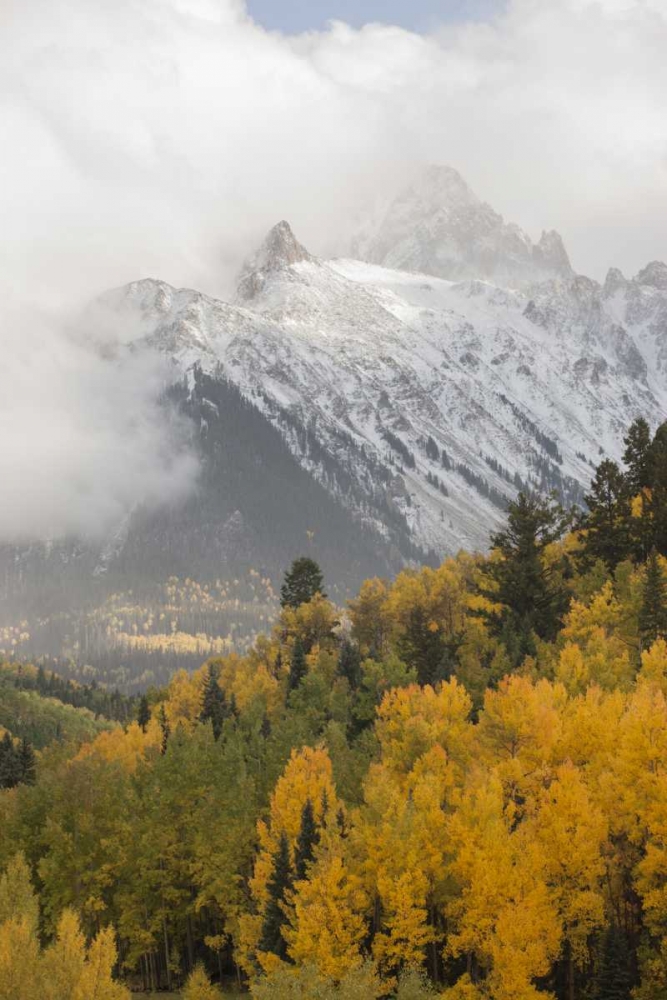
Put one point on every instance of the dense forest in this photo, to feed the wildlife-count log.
(455, 787)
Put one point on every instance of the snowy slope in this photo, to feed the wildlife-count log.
(439, 398)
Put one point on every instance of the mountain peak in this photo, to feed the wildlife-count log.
(439, 226)
(654, 275)
(279, 251)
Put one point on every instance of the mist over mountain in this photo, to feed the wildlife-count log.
(375, 414)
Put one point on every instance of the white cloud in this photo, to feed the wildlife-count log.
(162, 137)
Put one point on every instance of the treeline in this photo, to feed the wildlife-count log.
(97, 699)
(455, 787)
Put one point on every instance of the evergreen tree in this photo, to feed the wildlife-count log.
(658, 486)
(214, 704)
(298, 666)
(349, 663)
(614, 978)
(10, 764)
(637, 456)
(607, 523)
(26, 757)
(306, 841)
(302, 581)
(143, 713)
(534, 599)
(279, 884)
(166, 730)
(653, 612)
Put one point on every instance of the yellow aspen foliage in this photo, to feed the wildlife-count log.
(313, 623)
(19, 957)
(96, 981)
(412, 720)
(400, 839)
(603, 632)
(654, 665)
(572, 670)
(307, 776)
(17, 898)
(328, 914)
(249, 679)
(64, 961)
(504, 914)
(371, 619)
(127, 747)
(570, 832)
(463, 989)
(199, 987)
(184, 697)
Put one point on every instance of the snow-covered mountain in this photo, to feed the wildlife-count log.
(438, 226)
(439, 398)
(381, 409)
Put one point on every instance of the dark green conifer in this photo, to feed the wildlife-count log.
(533, 596)
(614, 978)
(349, 663)
(214, 704)
(166, 730)
(303, 581)
(637, 456)
(653, 612)
(279, 884)
(607, 523)
(143, 713)
(306, 841)
(298, 666)
(10, 764)
(27, 763)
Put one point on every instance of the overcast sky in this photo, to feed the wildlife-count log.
(164, 138)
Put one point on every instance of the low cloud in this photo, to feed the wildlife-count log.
(163, 137)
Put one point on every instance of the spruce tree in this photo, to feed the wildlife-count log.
(614, 978)
(279, 884)
(298, 666)
(27, 764)
(637, 456)
(658, 486)
(303, 581)
(534, 600)
(10, 764)
(349, 663)
(306, 841)
(607, 524)
(166, 730)
(653, 611)
(143, 713)
(214, 704)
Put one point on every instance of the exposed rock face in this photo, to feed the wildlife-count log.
(280, 250)
(439, 226)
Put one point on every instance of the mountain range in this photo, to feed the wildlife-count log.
(377, 409)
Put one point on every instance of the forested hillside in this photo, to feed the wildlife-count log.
(455, 786)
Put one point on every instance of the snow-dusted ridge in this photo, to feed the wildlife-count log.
(464, 389)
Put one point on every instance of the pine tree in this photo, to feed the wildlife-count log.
(534, 600)
(306, 841)
(10, 764)
(166, 730)
(637, 456)
(298, 666)
(214, 704)
(279, 884)
(658, 485)
(26, 756)
(653, 612)
(607, 524)
(143, 713)
(302, 581)
(349, 663)
(614, 979)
